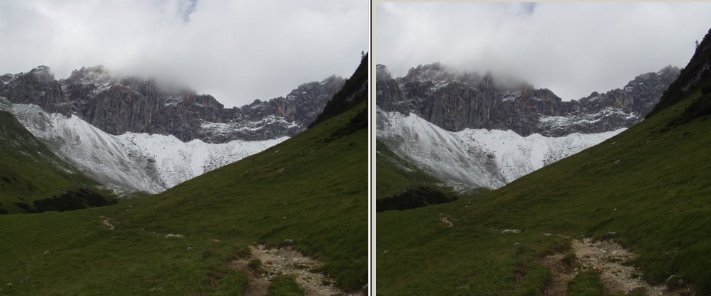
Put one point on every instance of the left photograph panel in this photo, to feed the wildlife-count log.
(184, 147)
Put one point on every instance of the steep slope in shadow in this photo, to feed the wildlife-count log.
(354, 91)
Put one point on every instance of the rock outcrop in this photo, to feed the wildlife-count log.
(456, 100)
(118, 104)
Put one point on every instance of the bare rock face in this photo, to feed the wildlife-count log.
(457, 100)
(37, 86)
(132, 104)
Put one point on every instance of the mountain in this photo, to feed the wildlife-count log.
(118, 104)
(476, 157)
(470, 130)
(306, 196)
(456, 100)
(132, 161)
(135, 134)
(33, 179)
(635, 205)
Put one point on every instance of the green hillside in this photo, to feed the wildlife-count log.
(648, 187)
(32, 178)
(396, 175)
(309, 192)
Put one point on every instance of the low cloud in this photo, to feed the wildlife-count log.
(235, 50)
(571, 48)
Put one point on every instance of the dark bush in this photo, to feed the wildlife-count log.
(699, 108)
(413, 198)
(72, 200)
(25, 207)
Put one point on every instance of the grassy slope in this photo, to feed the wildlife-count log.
(29, 171)
(394, 174)
(305, 189)
(649, 184)
(586, 284)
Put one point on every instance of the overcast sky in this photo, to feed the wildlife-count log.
(570, 48)
(237, 51)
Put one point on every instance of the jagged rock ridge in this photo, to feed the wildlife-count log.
(458, 100)
(118, 105)
(474, 130)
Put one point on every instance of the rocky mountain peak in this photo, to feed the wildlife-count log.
(669, 70)
(42, 73)
(330, 82)
(118, 104)
(457, 100)
(638, 96)
(37, 85)
(87, 75)
(88, 71)
(382, 73)
(434, 72)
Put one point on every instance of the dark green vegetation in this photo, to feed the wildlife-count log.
(358, 121)
(71, 200)
(307, 192)
(649, 184)
(413, 198)
(586, 284)
(285, 286)
(32, 178)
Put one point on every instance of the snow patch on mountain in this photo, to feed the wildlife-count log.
(476, 157)
(227, 127)
(173, 101)
(607, 117)
(511, 96)
(132, 161)
(554, 121)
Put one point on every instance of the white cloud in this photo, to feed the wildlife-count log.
(235, 50)
(571, 48)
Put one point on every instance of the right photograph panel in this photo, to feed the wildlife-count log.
(543, 148)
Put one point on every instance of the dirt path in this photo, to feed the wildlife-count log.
(611, 261)
(286, 261)
(107, 223)
(561, 275)
(258, 285)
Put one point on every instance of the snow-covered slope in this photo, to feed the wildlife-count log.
(476, 157)
(132, 161)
